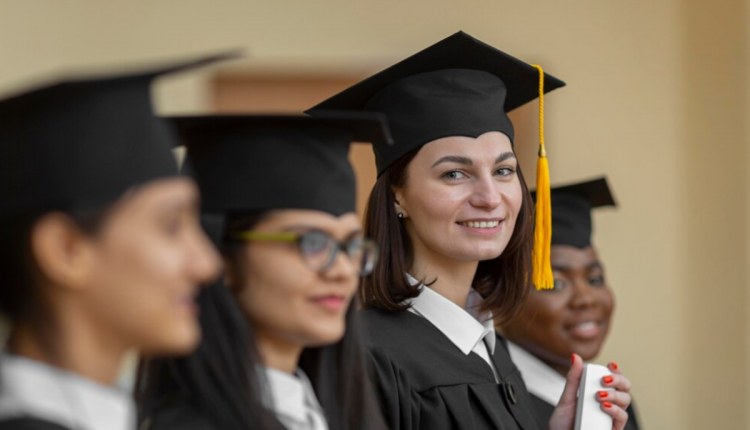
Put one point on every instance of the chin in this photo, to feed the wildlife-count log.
(324, 335)
(479, 253)
(175, 342)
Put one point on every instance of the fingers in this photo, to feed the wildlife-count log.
(614, 368)
(619, 416)
(618, 382)
(572, 381)
(619, 398)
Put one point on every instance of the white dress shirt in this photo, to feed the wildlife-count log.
(32, 389)
(467, 328)
(294, 402)
(541, 380)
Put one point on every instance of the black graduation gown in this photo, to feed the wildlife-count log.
(544, 411)
(178, 415)
(426, 382)
(29, 424)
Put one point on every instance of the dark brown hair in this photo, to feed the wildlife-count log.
(503, 282)
(221, 380)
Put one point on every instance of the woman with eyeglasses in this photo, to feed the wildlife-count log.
(101, 250)
(281, 348)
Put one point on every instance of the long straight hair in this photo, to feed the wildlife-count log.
(503, 282)
(222, 378)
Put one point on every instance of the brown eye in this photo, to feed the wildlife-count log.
(505, 171)
(596, 281)
(454, 175)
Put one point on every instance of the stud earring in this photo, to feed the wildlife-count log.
(400, 215)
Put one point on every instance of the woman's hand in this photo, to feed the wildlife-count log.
(612, 403)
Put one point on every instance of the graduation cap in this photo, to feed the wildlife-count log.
(81, 143)
(248, 163)
(459, 86)
(571, 211)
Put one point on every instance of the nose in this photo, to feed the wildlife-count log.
(205, 261)
(343, 269)
(486, 194)
(583, 295)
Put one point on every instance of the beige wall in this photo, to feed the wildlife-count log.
(657, 99)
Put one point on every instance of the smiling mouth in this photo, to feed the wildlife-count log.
(586, 329)
(479, 224)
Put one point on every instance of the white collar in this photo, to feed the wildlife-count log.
(29, 388)
(292, 396)
(465, 328)
(541, 380)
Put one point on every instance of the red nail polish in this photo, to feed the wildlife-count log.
(608, 379)
(572, 359)
(607, 405)
(603, 394)
(615, 366)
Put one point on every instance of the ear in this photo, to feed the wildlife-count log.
(62, 251)
(398, 195)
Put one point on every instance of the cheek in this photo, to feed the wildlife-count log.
(138, 287)
(434, 203)
(513, 198)
(607, 301)
(275, 286)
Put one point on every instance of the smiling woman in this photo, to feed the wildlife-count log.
(453, 217)
(282, 349)
(574, 317)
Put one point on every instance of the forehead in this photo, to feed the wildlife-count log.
(489, 144)
(312, 218)
(573, 258)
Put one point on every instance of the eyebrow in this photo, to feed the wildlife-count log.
(467, 161)
(563, 268)
(505, 156)
(301, 228)
(454, 159)
(191, 204)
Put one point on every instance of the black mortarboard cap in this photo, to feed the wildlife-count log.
(81, 143)
(571, 211)
(249, 163)
(458, 87)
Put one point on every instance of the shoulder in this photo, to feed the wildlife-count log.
(385, 329)
(181, 415)
(29, 424)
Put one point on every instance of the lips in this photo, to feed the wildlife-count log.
(332, 303)
(586, 329)
(480, 224)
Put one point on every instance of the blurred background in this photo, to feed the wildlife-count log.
(658, 99)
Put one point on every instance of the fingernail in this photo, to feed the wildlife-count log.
(607, 405)
(615, 366)
(608, 379)
(572, 359)
(603, 394)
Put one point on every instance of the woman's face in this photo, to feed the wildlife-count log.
(284, 299)
(574, 317)
(148, 262)
(462, 197)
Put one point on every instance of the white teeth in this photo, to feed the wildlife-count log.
(480, 224)
(588, 325)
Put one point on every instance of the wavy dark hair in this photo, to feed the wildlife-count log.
(221, 378)
(503, 282)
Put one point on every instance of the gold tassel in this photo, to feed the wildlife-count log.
(542, 269)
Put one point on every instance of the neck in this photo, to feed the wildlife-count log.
(559, 364)
(73, 346)
(278, 354)
(453, 278)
